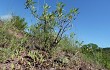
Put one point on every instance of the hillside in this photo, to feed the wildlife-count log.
(23, 53)
(49, 43)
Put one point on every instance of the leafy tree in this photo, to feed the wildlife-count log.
(90, 47)
(50, 22)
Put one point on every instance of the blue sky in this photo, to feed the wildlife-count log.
(91, 26)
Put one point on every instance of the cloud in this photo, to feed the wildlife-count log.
(6, 17)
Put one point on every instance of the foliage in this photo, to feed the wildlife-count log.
(89, 48)
(10, 46)
(68, 44)
(98, 55)
(19, 23)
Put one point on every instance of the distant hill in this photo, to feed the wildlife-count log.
(106, 50)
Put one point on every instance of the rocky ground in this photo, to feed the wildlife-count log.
(58, 61)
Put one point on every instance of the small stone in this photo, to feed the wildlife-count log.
(52, 69)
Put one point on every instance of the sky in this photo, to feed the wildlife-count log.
(92, 24)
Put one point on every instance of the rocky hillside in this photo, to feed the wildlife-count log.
(20, 51)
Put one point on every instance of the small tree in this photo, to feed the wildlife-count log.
(50, 22)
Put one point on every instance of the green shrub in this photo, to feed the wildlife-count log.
(51, 22)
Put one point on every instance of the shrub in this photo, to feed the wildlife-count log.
(51, 22)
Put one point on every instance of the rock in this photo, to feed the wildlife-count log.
(52, 69)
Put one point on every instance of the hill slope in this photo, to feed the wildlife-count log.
(22, 53)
